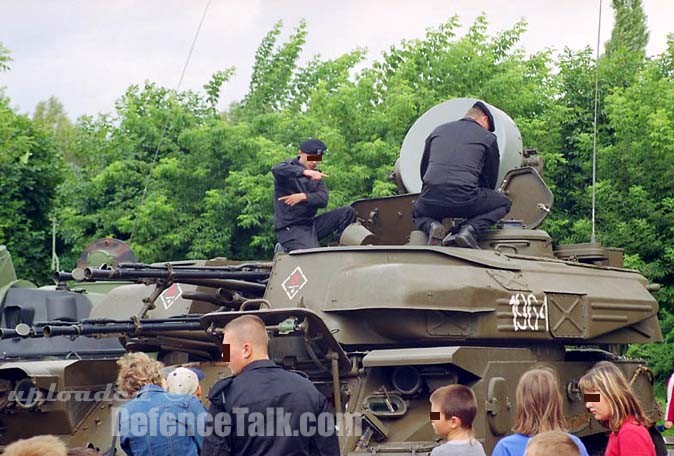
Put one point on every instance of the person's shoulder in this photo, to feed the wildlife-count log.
(634, 436)
(194, 402)
(469, 448)
(219, 389)
(292, 381)
(168, 400)
(288, 161)
(515, 438)
(575, 438)
(295, 377)
(447, 126)
(579, 443)
(440, 450)
(511, 441)
(630, 428)
(128, 405)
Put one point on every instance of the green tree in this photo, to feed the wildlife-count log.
(51, 116)
(4, 58)
(273, 71)
(625, 51)
(629, 29)
(31, 170)
(118, 156)
(209, 191)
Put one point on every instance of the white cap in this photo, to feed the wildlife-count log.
(182, 381)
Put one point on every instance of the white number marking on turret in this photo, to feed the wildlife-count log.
(528, 312)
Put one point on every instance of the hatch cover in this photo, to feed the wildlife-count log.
(531, 198)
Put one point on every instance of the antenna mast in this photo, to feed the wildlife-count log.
(594, 139)
(166, 123)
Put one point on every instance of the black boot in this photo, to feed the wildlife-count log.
(435, 233)
(467, 237)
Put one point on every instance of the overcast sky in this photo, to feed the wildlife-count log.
(87, 52)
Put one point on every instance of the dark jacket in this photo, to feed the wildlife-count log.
(459, 157)
(263, 388)
(288, 179)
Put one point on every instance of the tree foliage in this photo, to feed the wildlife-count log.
(629, 29)
(4, 58)
(178, 180)
(31, 171)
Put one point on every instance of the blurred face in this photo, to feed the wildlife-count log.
(440, 426)
(601, 409)
(309, 161)
(239, 353)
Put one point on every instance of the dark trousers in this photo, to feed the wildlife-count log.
(482, 212)
(307, 236)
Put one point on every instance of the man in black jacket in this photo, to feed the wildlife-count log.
(299, 192)
(270, 410)
(459, 170)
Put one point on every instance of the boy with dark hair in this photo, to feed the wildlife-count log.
(453, 409)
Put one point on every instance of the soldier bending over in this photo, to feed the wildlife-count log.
(459, 169)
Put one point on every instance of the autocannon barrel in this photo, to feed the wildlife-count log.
(229, 284)
(231, 267)
(174, 274)
(129, 327)
(62, 276)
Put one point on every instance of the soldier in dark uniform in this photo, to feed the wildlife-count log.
(299, 192)
(258, 386)
(459, 170)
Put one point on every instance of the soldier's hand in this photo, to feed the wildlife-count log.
(314, 175)
(293, 199)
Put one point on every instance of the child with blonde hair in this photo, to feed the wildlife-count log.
(539, 408)
(610, 399)
(557, 442)
(41, 445)
(140, 380)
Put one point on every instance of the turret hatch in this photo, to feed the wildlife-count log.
(532, 199)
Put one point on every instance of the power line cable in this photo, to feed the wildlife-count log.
(161, 137)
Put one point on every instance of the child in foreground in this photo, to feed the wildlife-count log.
(548, 443)
(453, 409)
